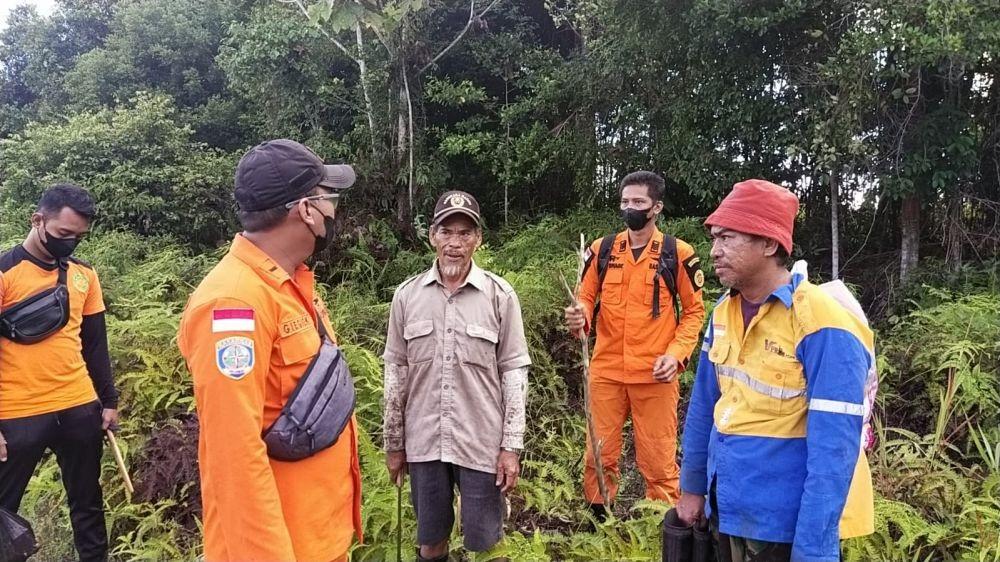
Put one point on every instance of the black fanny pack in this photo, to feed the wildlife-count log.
(40, 315)
(318, 409)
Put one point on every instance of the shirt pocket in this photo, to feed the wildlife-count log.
(613, 286)
(299, 347)
(419, 342)
(482, 346)
(666, 299)
(718, 354)
(781, 383)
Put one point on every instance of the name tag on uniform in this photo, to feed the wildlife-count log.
(289, 327)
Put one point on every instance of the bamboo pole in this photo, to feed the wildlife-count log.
(595, 444)
(120, 461)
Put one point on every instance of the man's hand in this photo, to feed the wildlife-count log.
(109, 419)
(3, 448)
(508, 469)
(665, 368)
(395, 461)
(691, 508)
(575, 320)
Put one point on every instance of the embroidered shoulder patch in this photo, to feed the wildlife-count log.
(234, 357)
(695, 274)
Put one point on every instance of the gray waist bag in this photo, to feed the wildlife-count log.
(318, 409)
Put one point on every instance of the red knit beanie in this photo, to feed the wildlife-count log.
(758, 207)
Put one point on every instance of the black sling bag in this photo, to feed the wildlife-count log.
(318, 409)
(17, 540)
(40, 315)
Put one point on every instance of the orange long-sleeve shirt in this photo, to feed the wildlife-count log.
(629, 339)
(248, 334)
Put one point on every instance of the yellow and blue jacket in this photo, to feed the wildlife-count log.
(775, 418)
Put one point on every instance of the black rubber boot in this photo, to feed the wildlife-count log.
(600, 512)
(703, 549)
(677, 538)
(442, 558)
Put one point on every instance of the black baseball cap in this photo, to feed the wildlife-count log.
(452, 202)
(278, 171)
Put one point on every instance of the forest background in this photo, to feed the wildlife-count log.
(882, 115)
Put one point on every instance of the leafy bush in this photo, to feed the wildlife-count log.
(145, 173)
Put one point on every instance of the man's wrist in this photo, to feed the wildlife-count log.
(511, 450)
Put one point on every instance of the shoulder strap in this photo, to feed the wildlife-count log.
(667, 270)
(603, 258)
(62, 265)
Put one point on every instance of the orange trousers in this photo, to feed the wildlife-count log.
(654, 422)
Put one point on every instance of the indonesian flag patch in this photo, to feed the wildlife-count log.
(232, 320)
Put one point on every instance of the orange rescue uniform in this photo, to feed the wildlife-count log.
(248, 334)
(629, 340)
(50, 375)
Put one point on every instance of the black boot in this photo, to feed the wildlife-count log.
(600, 512)
(677, 538)
(442, 558)
(703, 549)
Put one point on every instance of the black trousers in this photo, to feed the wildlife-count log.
(75, 436)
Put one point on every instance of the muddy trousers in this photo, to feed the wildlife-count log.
(75, 436)
(653, 408)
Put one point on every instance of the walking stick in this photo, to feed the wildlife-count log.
(120, 461)
(399, 517)
(595, 443)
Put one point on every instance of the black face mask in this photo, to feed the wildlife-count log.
(636, 219)
(322, 242)
(58, 248)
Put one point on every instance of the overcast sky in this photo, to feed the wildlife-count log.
(43, 6)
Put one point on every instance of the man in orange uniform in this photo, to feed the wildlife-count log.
(642, 346)
(57, 393)
(248, 333)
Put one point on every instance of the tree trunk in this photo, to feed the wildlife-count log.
(401, 137)
(363, 75)
(834, 224)
(909, 222)
(954, 232)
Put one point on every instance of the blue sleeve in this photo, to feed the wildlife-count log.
(836, 364)
(698, 423)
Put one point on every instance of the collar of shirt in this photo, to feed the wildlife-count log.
(653, 245)
(783, 293)
(476, 277)
(272, 273)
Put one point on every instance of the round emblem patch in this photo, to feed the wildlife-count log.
(459, 200)
(234, 357)
(80, 282)
(699, 278)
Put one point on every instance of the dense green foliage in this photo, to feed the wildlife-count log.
(883, 114)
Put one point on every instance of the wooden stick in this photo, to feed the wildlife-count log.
(596, 445)
(120, 461)
(399, 517)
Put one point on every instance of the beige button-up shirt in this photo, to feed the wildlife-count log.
(455, 349)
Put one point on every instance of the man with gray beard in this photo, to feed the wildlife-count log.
(456, 377)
